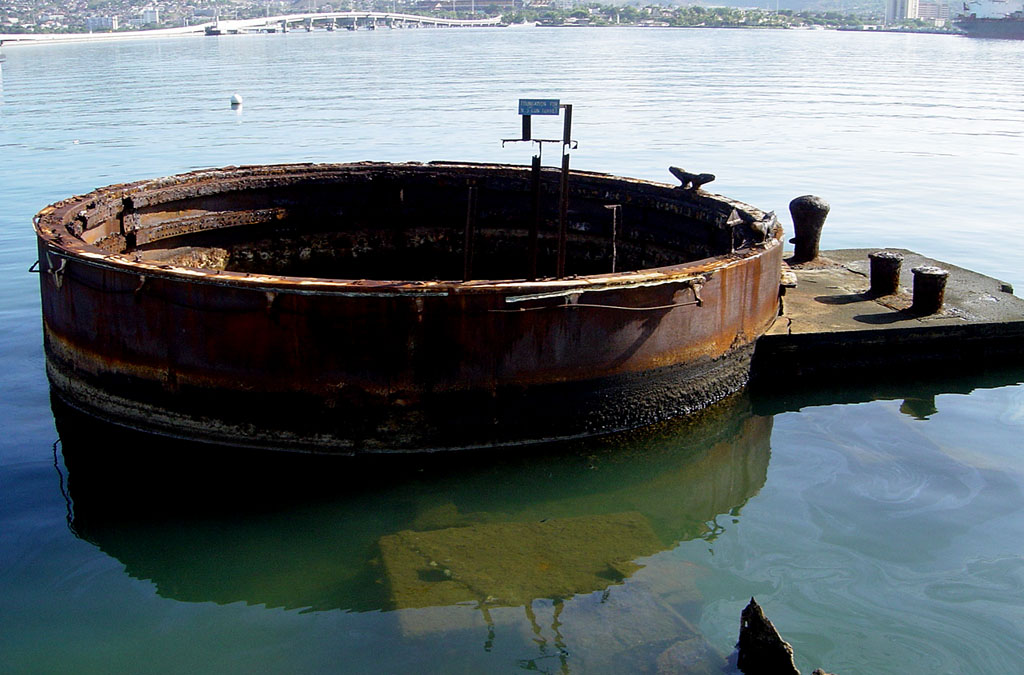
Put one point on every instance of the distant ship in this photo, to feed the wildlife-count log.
(993, 19)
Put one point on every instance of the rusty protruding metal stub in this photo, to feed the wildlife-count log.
(762, 651)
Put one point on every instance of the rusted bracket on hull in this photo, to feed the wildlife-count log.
(56, 272)
(756, 232)
(731, 223)
(696, 286)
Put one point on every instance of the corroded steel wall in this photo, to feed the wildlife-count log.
(316, 365)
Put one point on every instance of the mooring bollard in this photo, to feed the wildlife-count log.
(885, 272)
(809, 213)
(929, 289)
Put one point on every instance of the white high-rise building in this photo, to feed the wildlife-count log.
(900, 10)
(93, 23)
(929, 9)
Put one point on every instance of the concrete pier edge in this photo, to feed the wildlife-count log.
(831, 326)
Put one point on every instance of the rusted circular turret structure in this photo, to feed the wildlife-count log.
(370, 307)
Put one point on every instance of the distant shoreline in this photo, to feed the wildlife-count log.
(21, 39)
(16, 39)
(256, 25)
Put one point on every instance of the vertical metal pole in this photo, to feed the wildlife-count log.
(467, 244)
(616, 211)
(531, 274)
(527, 132)
(563, 193)
(563, 215)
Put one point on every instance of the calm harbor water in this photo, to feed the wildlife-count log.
(882, 529)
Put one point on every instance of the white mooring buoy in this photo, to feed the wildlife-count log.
(236, 100)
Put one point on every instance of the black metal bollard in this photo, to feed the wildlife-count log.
(929, 289)
(885, 272)
(809, 213)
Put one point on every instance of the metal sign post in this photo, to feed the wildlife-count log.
(563, 193)
(528, 107)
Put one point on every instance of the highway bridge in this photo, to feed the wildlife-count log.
(351, 19)
(287, 22)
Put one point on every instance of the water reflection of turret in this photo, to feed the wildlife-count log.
(506, 536)
(169, 509)
(775, 396)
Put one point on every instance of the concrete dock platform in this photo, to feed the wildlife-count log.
(831, 326)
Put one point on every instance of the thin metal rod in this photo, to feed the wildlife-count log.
(567, 128)
(587, 305)
(467, 245)
(527, 133)
(531, 274)
(563, 192)
(616, 211)
(563, 215)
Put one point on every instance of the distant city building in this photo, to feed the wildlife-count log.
(932, 10)
(94, 23)
(150, 15)
(900, 10)
(464, 5)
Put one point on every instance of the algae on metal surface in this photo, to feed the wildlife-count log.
(512, 564)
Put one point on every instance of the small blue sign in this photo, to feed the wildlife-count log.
(538, 106)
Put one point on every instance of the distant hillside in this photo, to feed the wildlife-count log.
(842, 6)
(862, 7)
